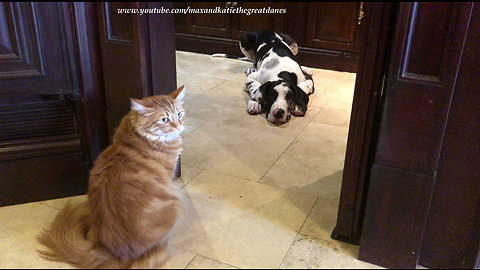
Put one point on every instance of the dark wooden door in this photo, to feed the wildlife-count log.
(244, 22)
(334, 25)
(138, 55)
(208, 24)
(41, 151)
(422, 199)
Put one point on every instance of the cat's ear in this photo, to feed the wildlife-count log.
(178, 94)
(138, 106)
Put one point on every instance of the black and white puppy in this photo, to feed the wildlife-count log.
(277, 84)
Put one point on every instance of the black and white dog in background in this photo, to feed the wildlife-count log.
(277, 84)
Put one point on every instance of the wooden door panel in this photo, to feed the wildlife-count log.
(39, 104)
(334, 25)
(452, 234)
(423, 84)
(214, 25)
(427, 49)
(147, 63)
(21, 56)
(242, 23)
(27, 67)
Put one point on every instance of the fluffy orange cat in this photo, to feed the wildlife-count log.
(132, 205)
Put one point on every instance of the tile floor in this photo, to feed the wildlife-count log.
(257, 195)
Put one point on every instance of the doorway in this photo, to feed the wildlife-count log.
(230, 153)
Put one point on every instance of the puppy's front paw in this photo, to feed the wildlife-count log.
(248, 71)
(297, 111)
(307, 70)
(254, 107)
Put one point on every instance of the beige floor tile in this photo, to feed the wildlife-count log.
(313, 163)
(239, 222)
(191, 124)
(313, 253)
(209, 107)
(196, 84)
(194, 63)
(228, 69)
(314, 247)
(232, 150)
(307, 174)
(206, 65)
(333, 89)
(320, 140)
(322, 219)
(331, 116)
(60, 203)
(177, 258)
(19, 226)
(187, 174)
(200, 262)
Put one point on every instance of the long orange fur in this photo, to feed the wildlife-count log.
(132, 205)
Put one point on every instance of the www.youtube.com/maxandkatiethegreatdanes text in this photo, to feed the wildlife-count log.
(188, 10)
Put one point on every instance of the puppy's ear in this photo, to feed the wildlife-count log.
(300, 97)
(264, 89)
(248, 40)
(290, 42)
(288, 77)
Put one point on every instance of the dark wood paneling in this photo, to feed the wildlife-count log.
(242, 23)
(137, 69)
(336, 53)
(333, 25)
(29, 69)
(92, 91)
(215, 25)
(41, 109)
(416, 146)
(119, 26)
(21, 54)
(56, 176)
(452, 235)
(414, 118)
(21, 122)
(162, 51)
(395, 217)
(121, 62)
(364, 121)
(425, 59)
(308, 57)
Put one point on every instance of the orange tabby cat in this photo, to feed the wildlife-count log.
(132, 203)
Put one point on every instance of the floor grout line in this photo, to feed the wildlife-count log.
(298, 232)
(191, 261)
(295, 138)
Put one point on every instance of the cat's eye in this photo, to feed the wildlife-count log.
(180, 114)
(165, 120)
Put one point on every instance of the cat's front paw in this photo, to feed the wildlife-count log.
(248, 71)
(253, 107)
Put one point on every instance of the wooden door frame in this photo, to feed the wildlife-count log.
(362, 135)
(93, 125)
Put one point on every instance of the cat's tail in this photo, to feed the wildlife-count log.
(66, 240)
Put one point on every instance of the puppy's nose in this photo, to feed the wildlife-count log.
(279, 113)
